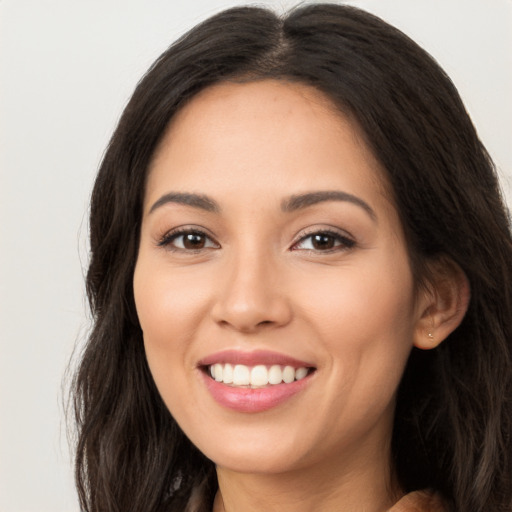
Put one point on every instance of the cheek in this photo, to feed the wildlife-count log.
(365, 324)
(169, 307)
(169, 302)
(365, 319)
(167, 311)
(359, 300)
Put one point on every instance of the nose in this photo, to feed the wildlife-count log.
(251, 296)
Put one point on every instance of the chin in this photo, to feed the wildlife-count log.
(255, 461)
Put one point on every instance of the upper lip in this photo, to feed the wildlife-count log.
(253, 358)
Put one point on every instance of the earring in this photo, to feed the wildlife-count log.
(430, 336)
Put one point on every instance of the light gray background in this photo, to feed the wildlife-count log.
(67, 68)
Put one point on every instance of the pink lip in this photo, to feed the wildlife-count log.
(246, 399)
(253, 400)
(253, 358)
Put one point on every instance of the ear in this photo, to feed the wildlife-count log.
(442, 303)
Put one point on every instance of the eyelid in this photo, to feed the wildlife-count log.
(344, 239)
(347, 240)
(169, 236)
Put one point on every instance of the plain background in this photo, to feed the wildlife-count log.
(67, 68)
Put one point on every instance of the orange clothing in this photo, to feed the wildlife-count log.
(419, 501)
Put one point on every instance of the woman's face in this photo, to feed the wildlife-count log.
(272, 257)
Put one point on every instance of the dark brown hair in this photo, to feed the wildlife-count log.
(453, 421)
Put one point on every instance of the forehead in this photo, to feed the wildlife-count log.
(277, 131)
(284, 99)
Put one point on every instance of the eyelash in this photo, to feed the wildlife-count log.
(171, 236)
(342, 242)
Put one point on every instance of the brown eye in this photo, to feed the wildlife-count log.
(324, 241)
(193, 241)
(188, 241)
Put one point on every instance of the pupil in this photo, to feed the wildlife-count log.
(193, 241)
(323, 242)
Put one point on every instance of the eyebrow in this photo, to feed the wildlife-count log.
(293, 203)
(195, 200)
(299, 202)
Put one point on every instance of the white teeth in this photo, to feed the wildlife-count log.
(259, 376)
(241, 376)
(300, 373)
(288, 374)
(275, 375)
(218, 370)
(256, 376)
(227, 374)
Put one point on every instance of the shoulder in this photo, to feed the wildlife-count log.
(420, 501)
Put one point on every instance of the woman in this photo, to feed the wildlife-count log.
(300, 281)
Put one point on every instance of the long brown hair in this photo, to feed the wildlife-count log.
(453, 420)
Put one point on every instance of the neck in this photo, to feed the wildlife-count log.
(329, 488)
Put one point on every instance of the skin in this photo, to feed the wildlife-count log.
(257, 282)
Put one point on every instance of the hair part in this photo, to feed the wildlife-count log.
(453, 420)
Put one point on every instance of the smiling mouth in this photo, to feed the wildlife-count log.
(258, 376)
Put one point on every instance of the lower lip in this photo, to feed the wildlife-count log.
(253, 400)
